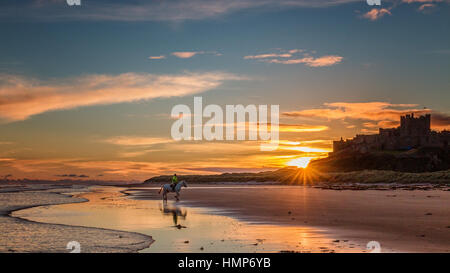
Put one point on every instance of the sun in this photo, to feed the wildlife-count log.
(300, 162)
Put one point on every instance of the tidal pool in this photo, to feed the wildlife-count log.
(176, 228)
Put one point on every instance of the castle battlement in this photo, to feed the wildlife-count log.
(413, 132)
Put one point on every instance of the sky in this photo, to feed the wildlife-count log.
(86, 91)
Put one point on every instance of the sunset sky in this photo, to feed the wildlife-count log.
(86, 91)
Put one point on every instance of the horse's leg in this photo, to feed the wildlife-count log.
(177, 196)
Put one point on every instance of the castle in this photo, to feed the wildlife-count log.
(412, 133)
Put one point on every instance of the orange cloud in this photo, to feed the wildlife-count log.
(190, 54)
(365, 110)
(186, 54)
(328, 60)
(308, 149)
(138, 141)
(22, 97)
(385, 114)
(5, 142)
(288, 57)
(375, 14)
(157, 57)
(302, 128)
(121, 170)
(270, 55)
(426, 6)
(132, 161)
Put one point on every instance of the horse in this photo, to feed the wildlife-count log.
(166, 188)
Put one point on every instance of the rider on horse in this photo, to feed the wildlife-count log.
(174, 182)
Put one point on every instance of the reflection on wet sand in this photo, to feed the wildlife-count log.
(175, 211)
(202, 230)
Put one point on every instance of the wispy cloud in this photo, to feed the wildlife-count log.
(269, 55)
(364, 110)
(22, 97)
(300, 128)
(426, 7)
(291, 57)
(190, 54)
(72, 175)
(137, 141)
(327, 60)
(141, 10)
(185, 54)
(157, 57)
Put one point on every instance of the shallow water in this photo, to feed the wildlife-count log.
(181, 229)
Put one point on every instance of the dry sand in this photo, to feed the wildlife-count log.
(19, 235)
(401, 220)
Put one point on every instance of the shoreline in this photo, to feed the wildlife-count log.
(37, 232)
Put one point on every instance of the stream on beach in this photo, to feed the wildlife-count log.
(178, 228)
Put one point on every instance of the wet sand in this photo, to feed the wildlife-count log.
(20, 235)
(176, 228)
(268, 219)
(400, 220)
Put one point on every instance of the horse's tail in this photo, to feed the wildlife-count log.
(160, 189)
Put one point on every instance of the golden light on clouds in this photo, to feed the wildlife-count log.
(301, 162)
(24, 97)
(139, 157)
(374, 111)
(185, 54)
(308, 149)
(138, 141)
(328, 60)
(369, 115)
(302, 128)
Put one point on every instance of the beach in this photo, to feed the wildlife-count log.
(21, 235)
(223, 218)
(400, 220)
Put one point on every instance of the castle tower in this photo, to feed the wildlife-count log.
(411, 126)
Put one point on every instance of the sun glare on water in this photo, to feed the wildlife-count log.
(301, 162)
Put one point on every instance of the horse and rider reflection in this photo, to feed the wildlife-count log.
(176, 212)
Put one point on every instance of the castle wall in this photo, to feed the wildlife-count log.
(412, 133)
